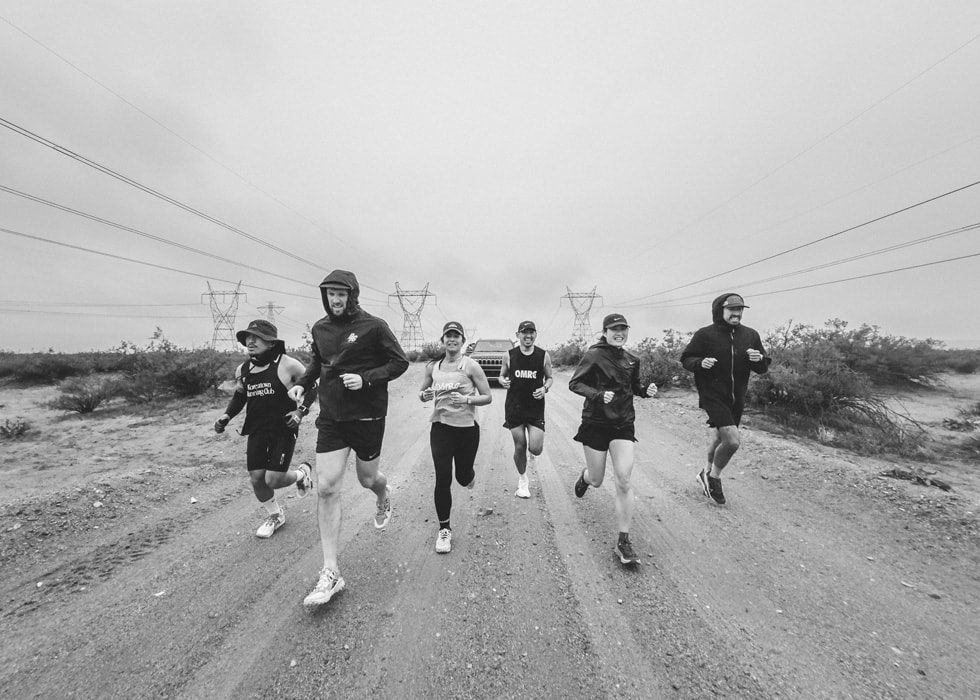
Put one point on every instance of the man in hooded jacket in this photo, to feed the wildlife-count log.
(354, 356)
(722, 356)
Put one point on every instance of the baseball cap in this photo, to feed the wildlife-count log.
(734, 301)
(453, 326)
(526, 326)
(261, 328)
(614, 320)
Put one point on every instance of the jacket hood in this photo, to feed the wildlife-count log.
(717, 312)
(345, 280)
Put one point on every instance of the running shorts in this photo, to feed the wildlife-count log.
(362, 436)
(721, 413)
(599, 435)
(271, 451)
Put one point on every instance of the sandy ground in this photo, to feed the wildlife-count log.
(131, 569)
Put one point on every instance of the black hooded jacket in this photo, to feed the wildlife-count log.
(603, 368)
(357, 343)
(728, 380)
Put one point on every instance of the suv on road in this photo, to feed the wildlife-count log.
(489, 354)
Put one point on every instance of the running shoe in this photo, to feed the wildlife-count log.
(580, 486)
(383, 514)
(271, 524)
(624, 549)
(522, 487)
(703, 482)
(330, 584)
(714, 490)
(444, 542)
(304, 482)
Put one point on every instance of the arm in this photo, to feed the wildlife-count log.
(504, 378)
(548, 378)
(644, 391)
(426, 393)
(396, 363)
(479, 378)
(694, 356)
(309, 377)
(758, 360)
(235, 404)
(583, 373)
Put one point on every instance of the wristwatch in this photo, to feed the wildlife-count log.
(303, 409)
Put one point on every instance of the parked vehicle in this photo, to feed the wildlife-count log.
(489, 354)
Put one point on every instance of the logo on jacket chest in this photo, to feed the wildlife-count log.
(352, 338)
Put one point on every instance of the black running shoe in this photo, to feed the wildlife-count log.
(580, 486)
(625, 551)
(714, 490)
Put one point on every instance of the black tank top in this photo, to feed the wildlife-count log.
(266, 400)
(526, 375)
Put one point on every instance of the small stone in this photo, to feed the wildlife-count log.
(293, 663)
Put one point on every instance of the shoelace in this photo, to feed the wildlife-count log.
(444, 535)
(326, 582)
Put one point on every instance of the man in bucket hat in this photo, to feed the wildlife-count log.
(272, 419)
(355, 355)
(526, 374)
(721, 356)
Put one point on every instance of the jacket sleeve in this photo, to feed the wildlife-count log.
(762, 366)
(694, 353)
(583, 373)
(638, 388)
(312, 373)
(396, 363)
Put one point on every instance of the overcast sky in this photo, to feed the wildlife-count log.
(501, 153)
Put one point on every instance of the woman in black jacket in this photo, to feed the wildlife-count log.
(608, 377)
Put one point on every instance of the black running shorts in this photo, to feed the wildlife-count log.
(721, 413)
(599, 435)
(271, 451)
(362, 436)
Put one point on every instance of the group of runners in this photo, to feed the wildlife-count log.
(354, 356)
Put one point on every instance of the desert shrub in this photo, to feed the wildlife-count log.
(85, 394)
(15, 429)
(660, 360)
(160, 374)
(430, 351)
(568, 354)
(960, 361)
(971, 445)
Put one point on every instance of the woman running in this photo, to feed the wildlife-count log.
(458, 385)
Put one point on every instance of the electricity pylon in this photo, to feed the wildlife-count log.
(270, 311)
(581, 303)
(223, 312)
(412, 303)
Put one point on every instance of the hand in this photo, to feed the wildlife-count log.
(607, 396)
(221, 424)
(708, 362)
(754, 355)
(296, 393)
(352, 381)
(539, 393)
(293, 418)
(651, 390)
(457, 398)
(427, 394)
(504, 381)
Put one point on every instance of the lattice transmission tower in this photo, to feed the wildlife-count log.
(270, 311)
(224, 308)
(412, 302)
(581, 303)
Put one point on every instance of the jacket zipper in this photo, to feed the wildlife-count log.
(732, 368)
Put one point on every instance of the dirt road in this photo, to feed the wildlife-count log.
(130, 569)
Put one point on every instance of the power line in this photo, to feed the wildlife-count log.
(808, 244)
(824, 138)
(174, 133)
(148, 264)
(823, 266)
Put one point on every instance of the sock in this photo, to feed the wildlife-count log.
(624, 536)
(444, 525)
(271, 507)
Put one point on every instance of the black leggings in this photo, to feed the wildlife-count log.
(450, 443)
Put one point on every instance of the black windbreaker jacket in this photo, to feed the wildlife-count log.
(607, 368)
(728, 380)
(358, 343)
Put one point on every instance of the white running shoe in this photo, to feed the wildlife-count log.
(271, 524)
(383, 514)
(330, 583)
(444, 542)
(522, 487)
(304, 482)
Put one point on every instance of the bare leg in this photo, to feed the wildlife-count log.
(262, 490)
(595, 466)
(621, 452)
(520, 448)
(330, 467)
(535, 440)
(370, 477)
(725, 446)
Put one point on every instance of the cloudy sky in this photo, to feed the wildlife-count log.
(823, 159)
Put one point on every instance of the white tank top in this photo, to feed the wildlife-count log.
(445, 382)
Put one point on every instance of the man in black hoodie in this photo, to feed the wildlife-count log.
(355, 355)
(721, 356)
